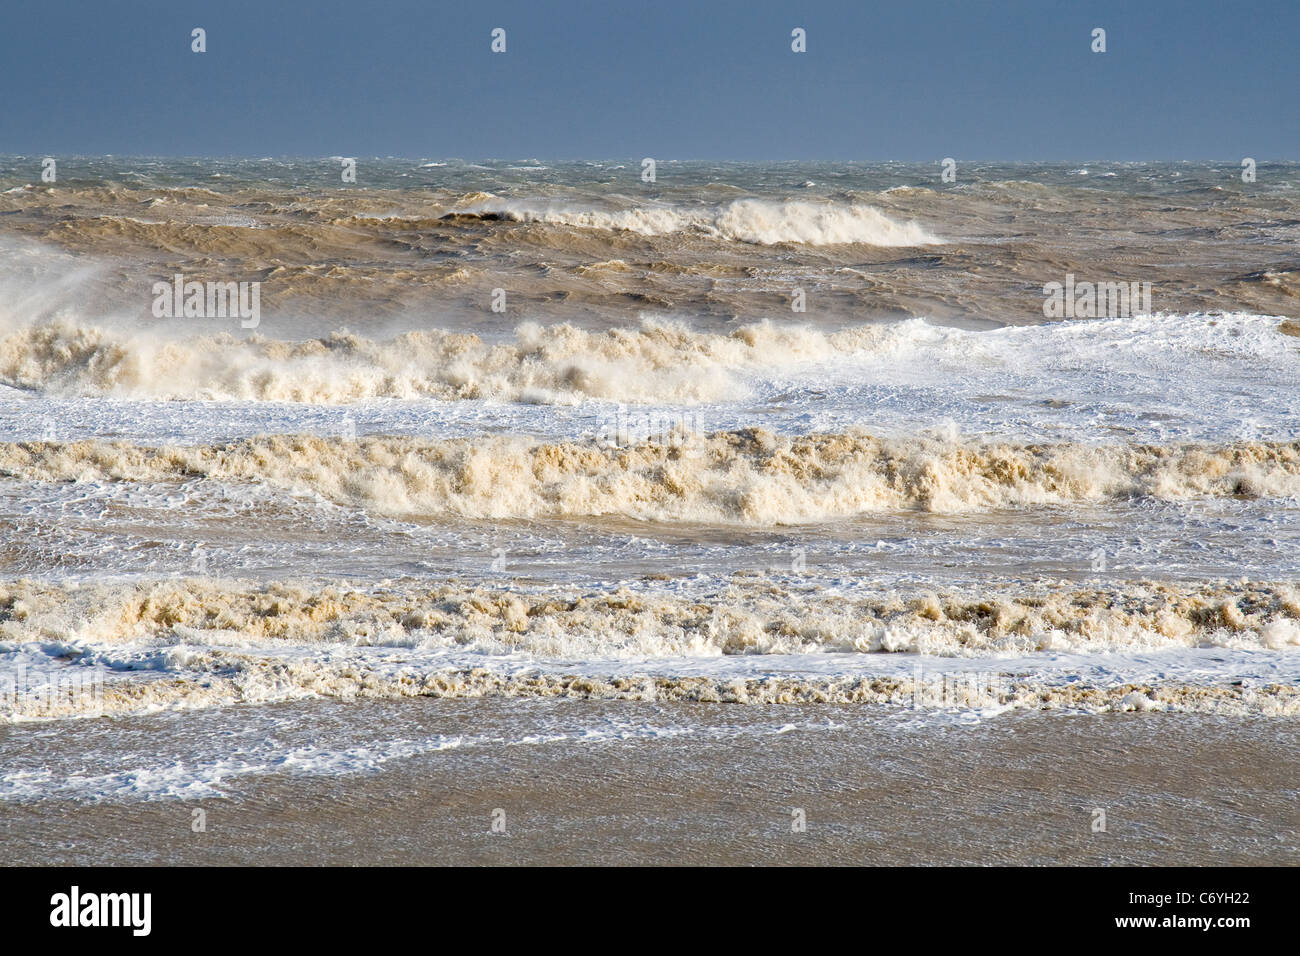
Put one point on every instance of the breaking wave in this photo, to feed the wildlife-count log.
(660, 361)
(204, 642)
(747, 477)
(759, 221)
(249, 679)
(757, 617)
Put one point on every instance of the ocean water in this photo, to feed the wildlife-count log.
(647, 480)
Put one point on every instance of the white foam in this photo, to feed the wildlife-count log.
(761, 221)
(211, 772)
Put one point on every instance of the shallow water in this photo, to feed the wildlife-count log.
(602, 784)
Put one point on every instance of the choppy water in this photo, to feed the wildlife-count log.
(648, 478)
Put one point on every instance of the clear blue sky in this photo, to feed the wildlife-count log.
(908, 80)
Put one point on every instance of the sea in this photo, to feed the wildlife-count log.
(648, 505)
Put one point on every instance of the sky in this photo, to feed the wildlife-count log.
(911, 80)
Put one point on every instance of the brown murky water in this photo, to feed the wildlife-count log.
(719, 784)
(589, 243)
(273, 535)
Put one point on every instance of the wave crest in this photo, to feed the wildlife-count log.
(749, 477)
(758, 617)
(660, 361)
(758, 221)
